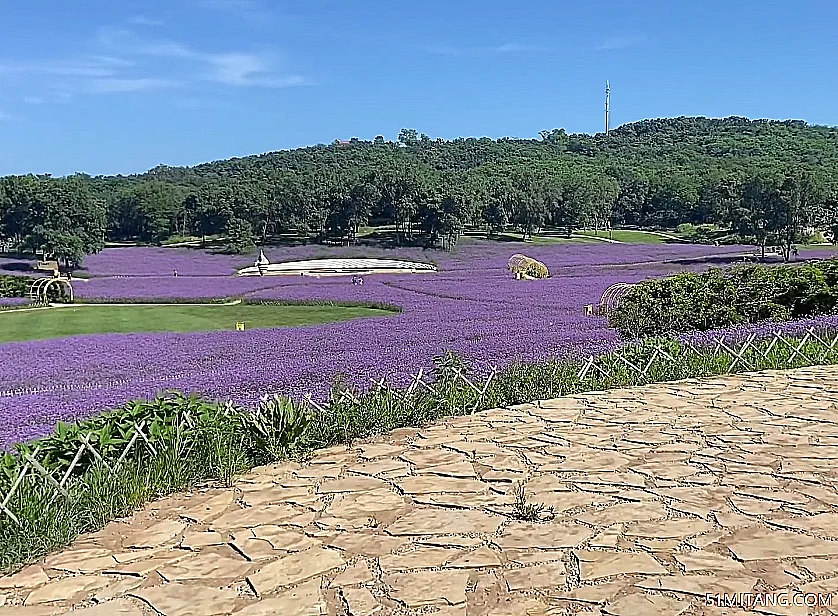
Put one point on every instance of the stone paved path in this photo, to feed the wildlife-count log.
(660, 495)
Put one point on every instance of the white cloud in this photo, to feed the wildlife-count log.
(142, 20)
(449, 50)
(236, 68)
(131, 84)
(124, 62)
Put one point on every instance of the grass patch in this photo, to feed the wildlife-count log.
(75, 320)
(628, 236)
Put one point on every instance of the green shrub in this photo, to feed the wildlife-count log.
(722, 298)
(14, 286)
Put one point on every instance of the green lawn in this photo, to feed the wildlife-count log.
(630, 236)
(17, 325)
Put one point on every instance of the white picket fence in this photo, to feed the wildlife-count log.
(423, 382)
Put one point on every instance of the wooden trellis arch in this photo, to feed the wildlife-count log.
(610, 300)
(39, 291)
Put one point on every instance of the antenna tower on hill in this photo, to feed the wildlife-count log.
(607, 107)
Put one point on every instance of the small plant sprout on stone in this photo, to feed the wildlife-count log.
(529, 512)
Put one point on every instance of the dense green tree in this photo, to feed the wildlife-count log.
(239, 236)
(749, 177)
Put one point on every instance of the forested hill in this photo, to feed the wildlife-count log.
(695, 144)
(665, 172)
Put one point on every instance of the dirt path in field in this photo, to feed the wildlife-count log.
(661, 497)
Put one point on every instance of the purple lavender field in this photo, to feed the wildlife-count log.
(471, 306)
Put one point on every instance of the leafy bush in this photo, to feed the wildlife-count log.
(14, 286)
(722, 298)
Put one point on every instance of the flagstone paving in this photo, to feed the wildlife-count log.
(659, 495)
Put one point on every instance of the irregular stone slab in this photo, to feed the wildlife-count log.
(284, 538)
(294, 569)
(195, 540)
(358, 573)
(428, 521)
(420, 558)
(514, 605)
(434, 484)
(156, 535)
(547, 575)
(360, 506)
(380, 467)
(626, 512)
(303, 600)
(700, 585)
(118, 588)
(276, 495)
(211, 508)
(145, 566)
(352, 484)
(366, 544)
(428, 587)
(668, 529)
(361, 602)
(460, 470)
(119, 607)
(608, 538)
(29, 577)
(66, 589)
(565, 501)
(479, 558)
(729, 519)
(265, 514)
(81, 561)
(819, 566)
(593, 460)
(378, 450)
(707, 561)
(178, 600)
(33, 610)
(760, 543)
(423, 458)
(596, 593)
(825, 524)
(596, 565)
(550, 536)
(451, 542)
(487, 500)
(639, 604)
(205, 566)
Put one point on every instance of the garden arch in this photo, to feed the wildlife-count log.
(610, 300)
(527, 267)
(39, 291)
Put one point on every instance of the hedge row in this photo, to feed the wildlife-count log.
(723, 298)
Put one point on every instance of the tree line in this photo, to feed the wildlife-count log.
(763, 180)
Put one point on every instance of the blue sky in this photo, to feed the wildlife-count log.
(119, 87)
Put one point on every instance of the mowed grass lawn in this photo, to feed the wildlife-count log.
(630, 236)
(20, 325)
